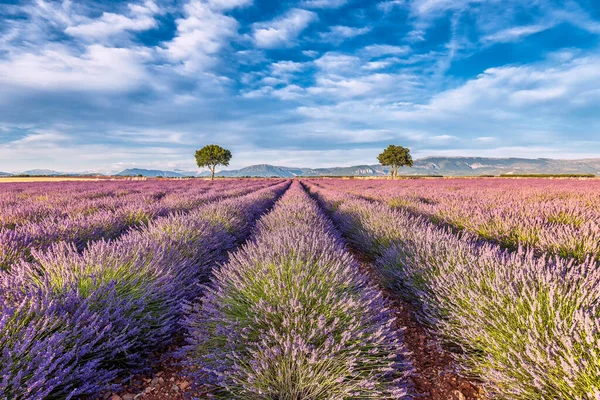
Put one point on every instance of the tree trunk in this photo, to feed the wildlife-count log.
(212, 175)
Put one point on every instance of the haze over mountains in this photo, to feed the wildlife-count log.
(446, 166)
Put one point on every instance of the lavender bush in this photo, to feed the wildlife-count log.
(291, 317)
(554, 216)
(527, 325)
(55, 347)
(102, 311)
(82, 225)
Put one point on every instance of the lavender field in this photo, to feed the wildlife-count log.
(301, 289)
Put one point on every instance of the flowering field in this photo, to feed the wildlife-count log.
(555, 216)
(262, 280)
(521, 311)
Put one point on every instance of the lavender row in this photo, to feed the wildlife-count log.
(555, 216)
(33, 202)
(60, 200)
(291, 317)
(63, 201)
(73, 322)
(529, 327)
(79, 229)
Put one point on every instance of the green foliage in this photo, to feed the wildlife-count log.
(212, 155)
(395, 157)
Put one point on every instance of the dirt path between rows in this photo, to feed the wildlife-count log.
(436, 376)
(166, 381)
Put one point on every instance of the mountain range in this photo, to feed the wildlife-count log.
(49, 172)
(42, 172)
(445, 166)
(152, 173)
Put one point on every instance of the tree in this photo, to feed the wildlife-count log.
(395, 157)
(212, 155)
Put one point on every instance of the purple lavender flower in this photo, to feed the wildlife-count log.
(527, 325)
(291, 317)
(73, 320)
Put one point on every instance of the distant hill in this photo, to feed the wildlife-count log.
(150, 173)
(446, 166)
(470, 166)
(88, 173)
(262, 170)
(42, 172)
(5, 174)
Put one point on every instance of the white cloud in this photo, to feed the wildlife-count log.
(270, 81)
(338, 63)
(323, 3)
(149, 7)
(389, 5)
(201, 35)
(442, 138)
(110, 24)
(529, 105)
(428, 7)
(99, 68)
(39, 150)
(223, 5)
(57, 13)
(289, 92)
(339, 33)
(557, 152)
(310, 53)
(377, 50)
(509, 89)
(146, 136)
(526, 97)
(377, 93)
(286, 67)
(374, 65)
(344, 88)
(250, 57)
(514, 33)
(282, 31)
(578, 17)
(41, 137)
(331, 132)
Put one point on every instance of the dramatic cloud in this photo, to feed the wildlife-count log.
(104, 86)
(201, 35)
(97, 69)
(112, 24)
(282, 31)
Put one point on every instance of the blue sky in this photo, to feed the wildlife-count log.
(107, 85)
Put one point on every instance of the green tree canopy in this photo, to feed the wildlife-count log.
(212, 155)
(395, 157)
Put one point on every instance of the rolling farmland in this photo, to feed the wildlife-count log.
(301, 289)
